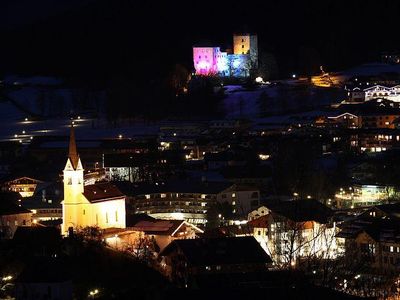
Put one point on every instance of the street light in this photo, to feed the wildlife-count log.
(93, 293)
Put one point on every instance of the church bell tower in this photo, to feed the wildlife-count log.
(73, 185)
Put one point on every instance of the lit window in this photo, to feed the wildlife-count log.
(147, 196)
(391, 249)
(233, 195)
(163, 195)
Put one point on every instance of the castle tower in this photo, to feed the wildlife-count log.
(73, 185)
(246, 43)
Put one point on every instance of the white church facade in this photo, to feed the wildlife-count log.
(100, 204)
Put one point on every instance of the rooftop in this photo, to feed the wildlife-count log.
(102, 192)
(220, 251)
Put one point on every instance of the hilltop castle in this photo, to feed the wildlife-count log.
(209, 60)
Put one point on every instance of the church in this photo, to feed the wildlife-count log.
(100, 204)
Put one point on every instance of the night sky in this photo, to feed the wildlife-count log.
(146, 38)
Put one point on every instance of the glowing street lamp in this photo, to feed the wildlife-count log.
(93, 293)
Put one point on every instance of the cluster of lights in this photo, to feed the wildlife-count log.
(7, 278)
(93, 292)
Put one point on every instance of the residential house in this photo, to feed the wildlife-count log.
(294, 230)
(183, 260)
(11, 217)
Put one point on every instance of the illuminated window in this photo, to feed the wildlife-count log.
(233, 195)
(163, 195)
(391, 249)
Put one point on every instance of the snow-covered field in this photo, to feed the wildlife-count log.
(26, 98)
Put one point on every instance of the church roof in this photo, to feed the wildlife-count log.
(73, 152)
(104, 191)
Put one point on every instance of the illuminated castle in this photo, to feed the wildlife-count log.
(101, 204)
(211, 61)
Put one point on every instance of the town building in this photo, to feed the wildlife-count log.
(373, 238)
(258, 212)
(100, 204)
(11, 217)
(25, 186)
(189, 200)
(362, 195)
(147, 236)
(184, 260)
(166, 231)
(294, 230)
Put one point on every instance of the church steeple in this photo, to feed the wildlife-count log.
(73, 153)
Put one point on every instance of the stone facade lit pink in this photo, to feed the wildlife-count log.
(205, 60)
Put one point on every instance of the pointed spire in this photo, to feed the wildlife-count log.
(73, 153)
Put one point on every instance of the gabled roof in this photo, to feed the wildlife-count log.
(162, 227)
(378, 86)
(379, 229)
(302, 210)
(102, 192)
(220, 251)
(24, 180)
(261, 222)
(10, 208)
